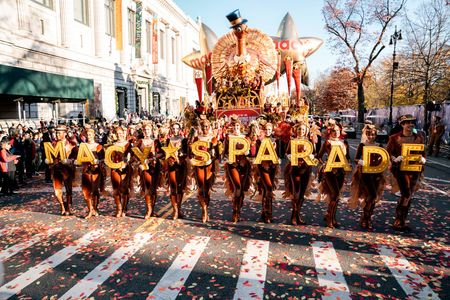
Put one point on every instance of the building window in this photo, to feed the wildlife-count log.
(46, 3)
(162, 39)
(148, 36)
(131, 27)
(110, 22)
(174, 47)
(81, 11)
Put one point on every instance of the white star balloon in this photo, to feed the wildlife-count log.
(198, 59)
(294, 47)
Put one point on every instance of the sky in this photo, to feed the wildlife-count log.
(266, 15)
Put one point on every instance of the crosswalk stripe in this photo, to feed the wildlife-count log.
(252, 276)
(173, 280)
(19, 283)
(329, 271)
(435, 188)
(13, 250)
(102, 272)
(405, 274)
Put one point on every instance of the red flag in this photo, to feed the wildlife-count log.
(208, 73)
(288, 64)
(278, 71)
(297, 79)
(199, 83)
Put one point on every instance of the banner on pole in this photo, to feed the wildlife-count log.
(119, 36)
(138, 29)
(155, 40)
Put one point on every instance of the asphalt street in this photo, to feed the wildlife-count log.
(46, 256)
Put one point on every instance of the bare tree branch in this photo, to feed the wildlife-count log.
(351, 24)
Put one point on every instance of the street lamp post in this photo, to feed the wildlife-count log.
(394, 37)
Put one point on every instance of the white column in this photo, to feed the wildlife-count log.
(186, 48)
(178, 56)
(150, 95)
(168, 49)
(99, 27)
(22, 14)
(66, 14)
(56, 112)
(169, 105)
(168, 57)
(19, 110)
(84, 113)
(124, 59)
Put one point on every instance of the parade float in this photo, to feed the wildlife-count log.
(236, 67)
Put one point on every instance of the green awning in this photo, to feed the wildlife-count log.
(24, 82)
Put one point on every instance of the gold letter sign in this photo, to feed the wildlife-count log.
(204, 155)
(408, 157)
(56, 152)
(336, 151)
(307, 151)
(232, 151)
(108, 153)
(367, 151)
(266, 145)
(85, 154)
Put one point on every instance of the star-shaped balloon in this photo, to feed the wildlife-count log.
(171, 151)
(293, 48)
(199, 58)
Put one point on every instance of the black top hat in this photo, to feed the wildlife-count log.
(235, 19)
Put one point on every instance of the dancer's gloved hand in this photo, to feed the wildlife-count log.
(361, 163)
(422, 160)
(311, 156)
(397, 159)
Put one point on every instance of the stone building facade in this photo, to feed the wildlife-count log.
(56, 55)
